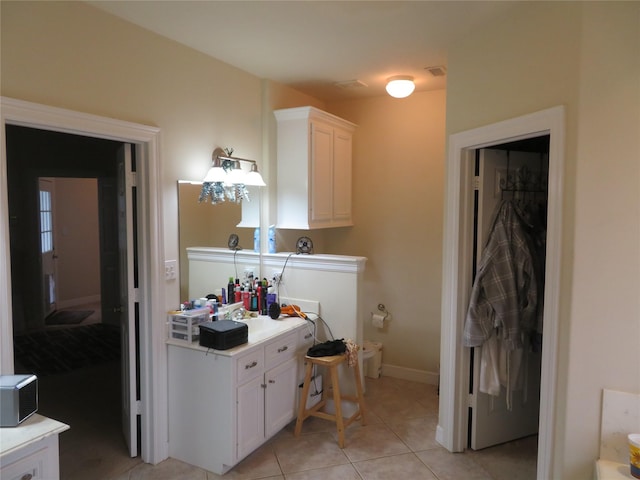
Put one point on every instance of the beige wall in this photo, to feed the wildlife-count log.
(71, 55)
(581, 55)
(77, 240)
(585, 56)
(398, 181)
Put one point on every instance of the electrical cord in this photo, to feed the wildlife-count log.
(282, 273)
(235, 264)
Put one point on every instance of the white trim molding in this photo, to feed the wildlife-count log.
(152, 349)
(453, 416)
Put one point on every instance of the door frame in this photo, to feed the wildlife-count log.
(153, 358)
(454, 358)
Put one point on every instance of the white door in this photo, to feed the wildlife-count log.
(47, 245)
(126, 309)
(491, 421)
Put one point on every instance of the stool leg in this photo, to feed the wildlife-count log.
(303, 399)
(356, 372)
(338, 404)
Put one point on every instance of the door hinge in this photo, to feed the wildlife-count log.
(471, 401)
(136, 295)
(133, 179)
(476, 183)
(138, 406)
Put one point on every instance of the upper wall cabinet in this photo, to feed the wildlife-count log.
(314, 169)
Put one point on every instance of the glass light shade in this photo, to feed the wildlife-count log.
(253, 178)
(236, 175)
(400, 86)
(215, 174)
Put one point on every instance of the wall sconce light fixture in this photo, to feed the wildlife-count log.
(226, 180)
(400, 86)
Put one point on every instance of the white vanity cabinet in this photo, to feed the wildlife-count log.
(314, 169)
(30, 450)
(225, 404)
(266, 398)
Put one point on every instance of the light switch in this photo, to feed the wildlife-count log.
(170, 269)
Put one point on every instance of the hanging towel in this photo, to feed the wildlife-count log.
(489, 367)
(504, 293)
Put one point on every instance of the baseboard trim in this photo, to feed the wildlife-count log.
(413, 374)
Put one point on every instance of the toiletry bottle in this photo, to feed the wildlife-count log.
(254, 301)
(231, 288)
(237, 292)
(272, 239)
(259, 296)
(256, 240)
(246, 298)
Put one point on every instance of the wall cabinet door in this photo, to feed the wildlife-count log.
(342, 148)
(280, 396)
(321, 184)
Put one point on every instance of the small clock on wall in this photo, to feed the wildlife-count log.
(233, 242)
(304, 245)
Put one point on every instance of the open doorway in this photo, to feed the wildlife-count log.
(63, 209)
(452, 430)
(144, 140)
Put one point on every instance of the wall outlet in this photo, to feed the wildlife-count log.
(170, 269)
(277, 278)
(248, 273)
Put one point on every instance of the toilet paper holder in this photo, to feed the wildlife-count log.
(383, 309)
(380, 318)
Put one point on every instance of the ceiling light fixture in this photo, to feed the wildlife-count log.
(400, 86)
(226, 181)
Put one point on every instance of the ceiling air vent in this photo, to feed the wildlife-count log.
(438, 71)
(350, 84)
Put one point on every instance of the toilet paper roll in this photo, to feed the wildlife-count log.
(378, 320)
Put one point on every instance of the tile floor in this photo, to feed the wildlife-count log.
(397, 443)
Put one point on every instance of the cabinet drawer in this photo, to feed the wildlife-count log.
(281, 349)
(250, 365)
(305, 339)
(34, 466)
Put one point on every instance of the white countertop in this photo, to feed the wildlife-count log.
(261, 328)
(31, 430)
(608, 470)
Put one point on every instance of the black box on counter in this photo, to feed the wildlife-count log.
(223, 334)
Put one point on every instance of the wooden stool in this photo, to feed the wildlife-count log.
(332, 363)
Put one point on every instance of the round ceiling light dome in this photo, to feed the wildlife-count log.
(400, 86)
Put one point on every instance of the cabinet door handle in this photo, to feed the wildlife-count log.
(282, 349)
(250, 365)
(272, 381)
(308, 336)
(26, 476)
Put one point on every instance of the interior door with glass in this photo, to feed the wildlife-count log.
(492, 422)
(47, 245)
